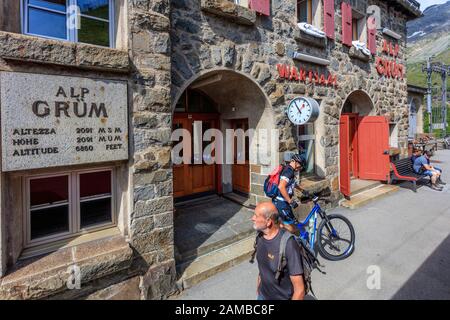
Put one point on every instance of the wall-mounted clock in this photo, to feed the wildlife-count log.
(302, 110)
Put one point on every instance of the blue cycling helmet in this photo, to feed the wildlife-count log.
(299, 159)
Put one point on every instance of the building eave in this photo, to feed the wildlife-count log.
(410, 7)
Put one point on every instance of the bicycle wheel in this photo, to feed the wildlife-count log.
(336, 238)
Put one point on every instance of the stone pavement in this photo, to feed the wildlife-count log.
(210, 223)
(405, 236)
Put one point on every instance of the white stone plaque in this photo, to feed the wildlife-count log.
(50, 121)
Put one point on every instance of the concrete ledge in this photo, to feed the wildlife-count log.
(309, 39)
(230, 11)
(367, 196)
(47, 275)
(357, 54)
(14, 46)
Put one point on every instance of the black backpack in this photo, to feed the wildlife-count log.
(309, 260)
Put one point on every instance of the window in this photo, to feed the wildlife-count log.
(68, 204)
(310, 11)
(243, 3)
(304, 11)
(306, 145)
(358, 27)
(56, 19)
(195, 101)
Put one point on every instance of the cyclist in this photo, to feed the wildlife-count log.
(284, 202)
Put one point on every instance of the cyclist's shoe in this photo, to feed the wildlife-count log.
(435, 187)
(441, 182)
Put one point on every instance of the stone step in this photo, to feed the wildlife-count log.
(207, 248)
(367, 196)
(358, 186)
(214, 262)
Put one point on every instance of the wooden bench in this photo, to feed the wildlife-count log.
(403, 170)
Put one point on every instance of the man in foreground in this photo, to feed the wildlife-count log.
(290, 285)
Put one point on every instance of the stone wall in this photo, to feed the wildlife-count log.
(204, 40)
(151, 221)
(147, 270)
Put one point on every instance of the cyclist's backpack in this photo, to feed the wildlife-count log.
(272, 181)
(309, 260)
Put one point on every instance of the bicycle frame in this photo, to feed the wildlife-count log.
(303, 234)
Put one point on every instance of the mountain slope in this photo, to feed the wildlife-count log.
(428, 35)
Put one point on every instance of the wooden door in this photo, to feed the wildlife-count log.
(241, 172)
(181, 171)
(373, 148)
(344, 173)
(353, 144)
(203, 176)
(191, 178)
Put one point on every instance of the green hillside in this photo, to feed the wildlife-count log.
(416, 77)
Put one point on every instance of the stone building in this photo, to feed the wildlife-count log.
(416, 110)
(89, 103)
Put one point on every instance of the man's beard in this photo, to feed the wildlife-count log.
(260, 228)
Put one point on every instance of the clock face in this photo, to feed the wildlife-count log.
(299, 111)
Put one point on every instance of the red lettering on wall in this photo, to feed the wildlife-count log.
(389, 68)
(332, 80)
(302, 75)
(283, 71)
(316, 77)
(294, 74)
(379, 65)
(322, 79)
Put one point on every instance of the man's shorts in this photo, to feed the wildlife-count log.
(285, 211)
(430, 172)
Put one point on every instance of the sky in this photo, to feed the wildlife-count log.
(426, 3)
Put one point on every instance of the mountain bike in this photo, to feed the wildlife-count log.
(335, 234)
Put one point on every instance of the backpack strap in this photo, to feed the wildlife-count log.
(282, 254)
(255, 245)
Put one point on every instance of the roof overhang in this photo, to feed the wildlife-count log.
(410, 7)
(416, 89)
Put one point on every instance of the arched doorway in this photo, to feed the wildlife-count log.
(222, 100)
(363, 144)
(212, 200)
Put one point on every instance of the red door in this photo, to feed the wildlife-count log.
(373, 148)
(344, 172)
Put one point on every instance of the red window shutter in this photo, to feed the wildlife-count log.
(328, 13)
(261, 6)
(346, 11)
(371, 35)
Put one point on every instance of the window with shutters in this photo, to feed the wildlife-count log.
(310, 11)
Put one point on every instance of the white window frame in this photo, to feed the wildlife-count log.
(75, 229)
(71, 35)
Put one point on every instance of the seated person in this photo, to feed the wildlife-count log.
(422, 166)
(415, 154)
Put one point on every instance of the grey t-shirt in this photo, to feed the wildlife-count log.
(267, 256)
